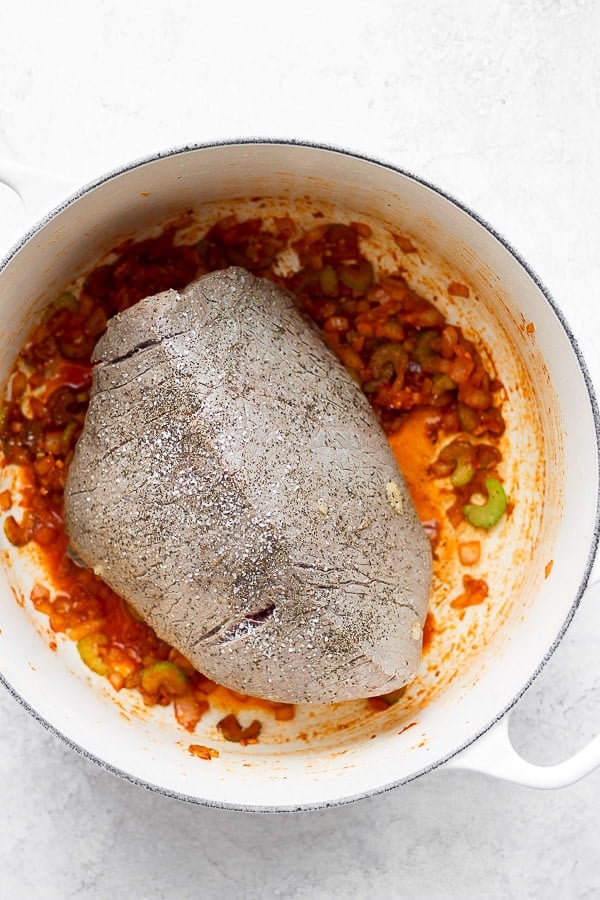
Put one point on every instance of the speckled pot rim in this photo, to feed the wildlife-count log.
(240, 142)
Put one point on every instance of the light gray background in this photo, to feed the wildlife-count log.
(497, 102)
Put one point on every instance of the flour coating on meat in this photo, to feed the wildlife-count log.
(232, 484)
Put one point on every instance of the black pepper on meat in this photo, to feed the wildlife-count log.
(232, 483)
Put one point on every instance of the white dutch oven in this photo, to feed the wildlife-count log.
(537, 562)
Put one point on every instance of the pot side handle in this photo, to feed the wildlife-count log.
(39, 191)
(493, 754)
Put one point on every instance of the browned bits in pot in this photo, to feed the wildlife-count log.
(457, 289)
(475, 591)
(231, 730)
(405, 243)
(203, 752)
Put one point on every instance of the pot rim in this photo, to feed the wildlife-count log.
(292, 142)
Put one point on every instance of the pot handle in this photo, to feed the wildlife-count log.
(493, 754)
(39, 191)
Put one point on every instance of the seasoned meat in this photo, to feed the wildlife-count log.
(232, 484)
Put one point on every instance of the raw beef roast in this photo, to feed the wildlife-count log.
(232, 484)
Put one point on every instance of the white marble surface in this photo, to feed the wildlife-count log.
(498, 102)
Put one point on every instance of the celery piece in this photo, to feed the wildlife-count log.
(491, 512)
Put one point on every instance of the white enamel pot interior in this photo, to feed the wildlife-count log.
(537, 562)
